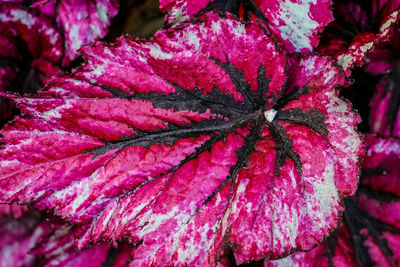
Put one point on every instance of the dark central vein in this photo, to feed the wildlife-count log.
(171, 135)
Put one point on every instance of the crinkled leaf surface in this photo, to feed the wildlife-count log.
(296, 24)
(358, 26)
(370, 232)
(81, 22)
(187, 144)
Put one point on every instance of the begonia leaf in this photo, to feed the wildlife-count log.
(383, 63)
(187, 144)
(385, 105)
(296, 24)
(81, 22)
(12, 210)
(56, 248)
(17, 238)
(31, 48)
(36, 240)
(370, 232)
(28, 40)
(337, 250)
(358, 26)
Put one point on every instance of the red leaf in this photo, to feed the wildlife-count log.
(187, 144)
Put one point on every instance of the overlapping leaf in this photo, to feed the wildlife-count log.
(385, 116)
(81, 22)
(34, 240)
(370, 232)
(188, 144)
(296, 24)
(12, 210)
(31, 47)
(358, 26)
(32, 40)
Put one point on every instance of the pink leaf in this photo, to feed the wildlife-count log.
(337, 250)
(359, 25)
(188, 144)
(370, 232)
(296, 24)
(385, 115)
(13, 210)
(81, 22)
(31, 48)
(34, 240)
(28, 37)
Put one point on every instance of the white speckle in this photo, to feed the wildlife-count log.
(5, 163)
(39, 194)
(95, 30)
(193, 39)
(249, 206)
(183, 255)
(98, 71)
(19, 15)
(384, 147)
(348, 59)
(241, 188)
(392, 19)
(74, 37)
(325, 189)
(53, 36)
(270, 114)
(80, 15)
(159, 219)
(102, 12)
(176, 14)
(81, 197)
(133, 213)
(297, 26)
(238, 29)
(4, 18)
(157, 53)
(216, 26)
(286, 262)
(24, 17)
(55, 113)
(293, 178)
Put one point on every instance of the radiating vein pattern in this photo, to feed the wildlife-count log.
(165, 143)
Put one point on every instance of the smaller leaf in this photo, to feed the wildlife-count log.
(81, 22)
(295, 24)
(370, 231)
(357, 28)
(385, 105)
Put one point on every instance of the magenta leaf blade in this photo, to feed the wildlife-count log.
(180, 143)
